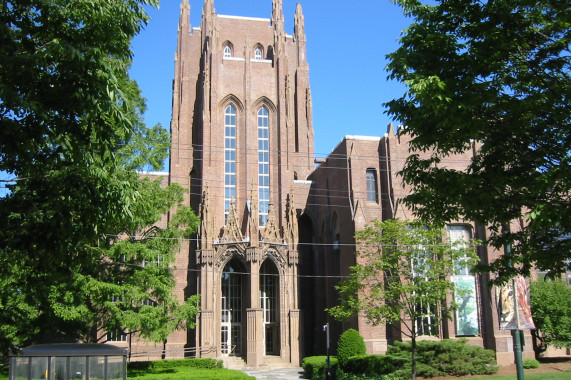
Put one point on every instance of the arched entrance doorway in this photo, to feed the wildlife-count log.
(269, 302)
(231, 318)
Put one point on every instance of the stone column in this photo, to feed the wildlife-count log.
(206, 338)
(255, 343)
(294, 336)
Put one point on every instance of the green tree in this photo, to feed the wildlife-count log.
(402, 275)
(492, 76)
(551, 308)
(79, 250)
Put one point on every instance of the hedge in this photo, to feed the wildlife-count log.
(441, 358)
(314, 366)
(351, 343)
(369, 365)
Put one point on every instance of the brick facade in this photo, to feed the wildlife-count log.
(245, 263)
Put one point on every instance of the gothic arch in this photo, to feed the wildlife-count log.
(272, 254)
(230, 46)
(231, 99)
(227, 253)
(264, 101)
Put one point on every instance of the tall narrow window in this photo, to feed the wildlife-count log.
(229, 157)
(263, 165)
(371, 177)
(421, 257)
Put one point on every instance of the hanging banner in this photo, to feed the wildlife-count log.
(514, 311)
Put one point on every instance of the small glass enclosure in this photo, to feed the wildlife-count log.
(81, 361)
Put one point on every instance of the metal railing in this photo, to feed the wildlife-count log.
(188, 352)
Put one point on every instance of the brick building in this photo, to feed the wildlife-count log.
(277, 231)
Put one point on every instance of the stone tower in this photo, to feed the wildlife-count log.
(242, 144)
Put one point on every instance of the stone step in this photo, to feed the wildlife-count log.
(269, 362)
(234, 362)
(273, 361)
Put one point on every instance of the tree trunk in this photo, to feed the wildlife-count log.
(413, 350)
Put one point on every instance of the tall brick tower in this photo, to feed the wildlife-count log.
(242, 143)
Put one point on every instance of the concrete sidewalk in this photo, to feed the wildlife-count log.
(276, 374)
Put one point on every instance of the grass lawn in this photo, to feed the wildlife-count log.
(182, 369)
(530, 376)
(183, 373)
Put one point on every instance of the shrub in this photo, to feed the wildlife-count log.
(351, 343)
(340, 375)
(530, 363)
(314, 366)
(369, 365)
(163, 365)
(440, 358)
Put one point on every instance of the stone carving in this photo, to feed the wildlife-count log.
(226, 253)
(291, 231)
(253, 218)
(232, 233)
(271, 232)
(206, 231)
(276, 256)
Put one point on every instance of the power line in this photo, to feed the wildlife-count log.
(213, 242)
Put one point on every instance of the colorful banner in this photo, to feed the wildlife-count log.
(514, 314)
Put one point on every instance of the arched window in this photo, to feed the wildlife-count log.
(231, 316)
(371, 178)
(258, 54)
(269, 302)
(263, 165)
(227, 50)
(229, 157)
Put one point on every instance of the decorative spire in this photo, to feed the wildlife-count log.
(291, 234)
(232, 233)
(206, 230)
(208, 14)
(299, 35)
(184, 22)
(271, 232)
(208, 8)
(278, 24)
(253, 220)
(299, 27)
(277, 15)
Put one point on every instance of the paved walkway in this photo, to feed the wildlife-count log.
(276, 374)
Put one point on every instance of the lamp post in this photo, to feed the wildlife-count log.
(328, 375)
(515, 333)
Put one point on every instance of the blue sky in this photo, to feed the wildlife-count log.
(346, 47)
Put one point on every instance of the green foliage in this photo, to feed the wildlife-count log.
(162, 365)
(182, 369)
(530, 363)
(369, 365)
(400, 267)
(493, 76)
(443, 358)
(314, 367)
(551, 308)
(350, 343)
(79, 253)
(340, 375)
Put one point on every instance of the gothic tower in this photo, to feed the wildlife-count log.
(242, 144)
